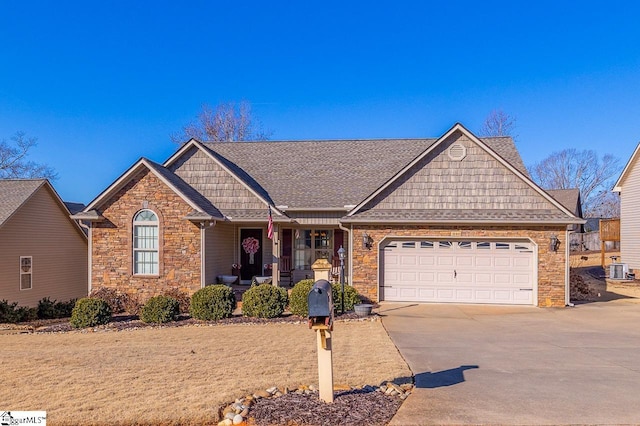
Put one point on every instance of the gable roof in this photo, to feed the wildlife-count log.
(570, 198)
(327, 174)
(203, 209)
(14, 193)
(618, 186)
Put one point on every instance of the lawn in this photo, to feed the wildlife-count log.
(179, 375)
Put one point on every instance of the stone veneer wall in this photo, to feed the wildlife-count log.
(551, 265)
(179, 240)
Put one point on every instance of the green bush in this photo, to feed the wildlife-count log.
(48, 309)
(160, 309)
(183, 299)
(213, 302)
(90, 312)
(298, 299)
(12, 313)
(264, 301)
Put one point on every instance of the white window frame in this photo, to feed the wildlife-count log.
(28, 273)
(150, 260)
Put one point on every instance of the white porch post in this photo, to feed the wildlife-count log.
(275, 256)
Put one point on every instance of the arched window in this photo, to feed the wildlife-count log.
(145, 243)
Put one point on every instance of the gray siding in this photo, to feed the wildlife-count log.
(477, 182)
(630, 218)
(219, 241)
(317, 218)
(42, 229)
(216, 184)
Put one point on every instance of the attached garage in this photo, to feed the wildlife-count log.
(458, 271)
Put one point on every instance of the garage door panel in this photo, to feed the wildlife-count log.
(459, 272)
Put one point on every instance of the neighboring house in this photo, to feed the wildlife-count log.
(628, 186)
(453, 219)
(43, 253)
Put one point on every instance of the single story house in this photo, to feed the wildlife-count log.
(628, 186)
(451, 219)
(43, 253)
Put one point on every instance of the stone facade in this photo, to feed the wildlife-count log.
(179, 241)
(551, 265)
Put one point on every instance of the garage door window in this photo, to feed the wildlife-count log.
(426, 244)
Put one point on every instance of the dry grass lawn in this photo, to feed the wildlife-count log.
(179, 375)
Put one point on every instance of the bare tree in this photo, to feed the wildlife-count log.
(14, 163)
(571, 168)
(227, 122)
(499, 123)
(606, 205)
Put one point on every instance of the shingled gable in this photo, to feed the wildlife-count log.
(432, 188)
(237, 194)
(202, 208)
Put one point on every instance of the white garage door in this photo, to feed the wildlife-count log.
(458, 272)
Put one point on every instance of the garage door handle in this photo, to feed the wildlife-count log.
(455, 273)
(526, 289)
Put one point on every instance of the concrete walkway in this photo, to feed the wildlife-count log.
(519, 365)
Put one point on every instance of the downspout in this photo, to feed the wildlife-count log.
(88, 228)
(567, 278)
(350, 232)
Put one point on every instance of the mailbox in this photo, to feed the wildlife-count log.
(320, 302)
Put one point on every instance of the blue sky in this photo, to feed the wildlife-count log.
(103, 83)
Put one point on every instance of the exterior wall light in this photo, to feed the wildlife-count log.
(554, 243)
(367, 241)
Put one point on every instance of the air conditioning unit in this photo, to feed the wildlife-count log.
(618, 271)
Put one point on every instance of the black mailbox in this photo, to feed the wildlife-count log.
(320, 302)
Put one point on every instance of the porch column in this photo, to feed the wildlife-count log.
(275, 257)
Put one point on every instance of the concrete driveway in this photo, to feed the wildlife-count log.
(519, 365)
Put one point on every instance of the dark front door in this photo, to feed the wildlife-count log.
(250, 253)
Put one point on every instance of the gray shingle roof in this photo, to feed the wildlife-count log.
(569, 198)
(13, 193)
(460, 215)
(333, 173)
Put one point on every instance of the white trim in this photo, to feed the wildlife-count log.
(618, 185)
(197, 144)
(535, 265)
(474, 139)
(567, 276)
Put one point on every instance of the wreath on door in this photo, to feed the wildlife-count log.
(250, 246)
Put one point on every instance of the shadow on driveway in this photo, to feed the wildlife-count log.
(443, 378)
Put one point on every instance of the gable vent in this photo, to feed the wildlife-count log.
(457, 152)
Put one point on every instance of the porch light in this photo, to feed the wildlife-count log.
(367, 241)
(553, 242)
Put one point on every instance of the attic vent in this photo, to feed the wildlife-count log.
(457, 152)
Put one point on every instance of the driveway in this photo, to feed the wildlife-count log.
(519, 365)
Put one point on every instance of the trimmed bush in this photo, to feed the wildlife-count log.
(264, 301)
(114, 298)
(50, 310)
(160, 309)
(213, 302)
(90, 312)
(298, 299)
(183, 299)
(12, 313)
(131, 304)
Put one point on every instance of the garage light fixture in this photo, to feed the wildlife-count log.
(367, 241)
(554, 243)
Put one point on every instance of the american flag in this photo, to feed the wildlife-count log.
(270, 226)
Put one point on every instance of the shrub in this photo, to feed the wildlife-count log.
(50, 310)
(160, 309)
(131, 304)
(183, 299)
(264, 301)
(213, 302)
(114, 298)
(89, 312)
(12, 313)
(298, 299)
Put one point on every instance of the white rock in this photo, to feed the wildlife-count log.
(230, 415)
(238, 419)
(272, 390)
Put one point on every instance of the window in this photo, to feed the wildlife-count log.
(25, 272)
(502, 246)
(145, 243)
(426, 244)
(483, 245)
(445, 244)
(465, 244)
(310, 245)
(409, 244)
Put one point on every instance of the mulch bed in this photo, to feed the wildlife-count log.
(354, 408)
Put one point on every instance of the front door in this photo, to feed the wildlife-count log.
(250, 253)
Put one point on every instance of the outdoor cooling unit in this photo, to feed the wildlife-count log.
(618, 271)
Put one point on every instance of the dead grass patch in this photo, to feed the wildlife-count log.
(179, 375)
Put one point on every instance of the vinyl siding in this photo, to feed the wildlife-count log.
(219, 243)
(42, 229)
(630, 218)
(317, 218)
